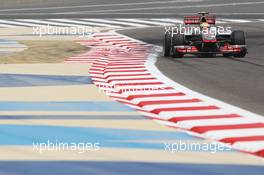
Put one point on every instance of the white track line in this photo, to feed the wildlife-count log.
(170, 20)
(83, 23)
(14, 23)
(46, 22)
(235, 20)
(7, 26)
(118, 22)
(146, 22)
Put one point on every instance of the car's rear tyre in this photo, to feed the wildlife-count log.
(178, 40)
(167, 44)
(238, 38)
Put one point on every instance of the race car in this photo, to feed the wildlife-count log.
(200, 36)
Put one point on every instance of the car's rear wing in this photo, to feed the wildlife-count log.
(197, 19)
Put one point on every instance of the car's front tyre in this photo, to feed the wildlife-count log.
(167, 44)
(178, 40)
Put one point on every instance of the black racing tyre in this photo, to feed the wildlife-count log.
(167, 44)
(178, 40)
(238, 38)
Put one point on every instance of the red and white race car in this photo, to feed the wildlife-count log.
(199, 35)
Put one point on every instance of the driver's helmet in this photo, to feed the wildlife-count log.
(204, 25)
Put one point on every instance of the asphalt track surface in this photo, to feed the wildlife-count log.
(237, 81)
(129, 8)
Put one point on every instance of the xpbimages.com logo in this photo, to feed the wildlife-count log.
(80, 31)
(79, 147)
(187, 146)
(197, 30)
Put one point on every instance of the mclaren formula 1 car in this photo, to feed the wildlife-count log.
(199, 35)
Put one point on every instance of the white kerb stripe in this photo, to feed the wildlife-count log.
(252, 146)
(140, 99)
(169, 91)
(175, 105)
(218, 135)
(211, 122)
(168, 115)
(124, 73)
(130, 77)
(134, 81)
